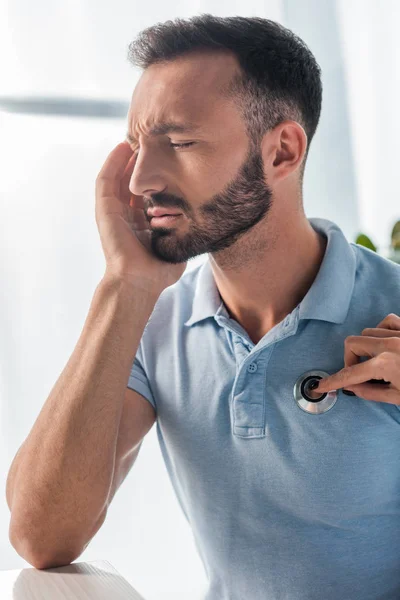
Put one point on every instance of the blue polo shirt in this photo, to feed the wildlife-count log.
(283, 504)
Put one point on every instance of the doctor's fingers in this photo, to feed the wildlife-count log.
(391, 321)
(369, 346)
(385, 366)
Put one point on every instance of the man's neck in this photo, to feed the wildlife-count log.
(264, 277)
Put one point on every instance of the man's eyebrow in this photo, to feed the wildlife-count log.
(168, 127)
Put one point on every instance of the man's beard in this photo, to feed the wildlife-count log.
(224, 219)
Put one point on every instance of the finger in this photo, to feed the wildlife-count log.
(140, 221)
(124, 192)
(351, 356)
(356, 346)
(375, 332)
(137, 202)
(391, 321)
(376, 393)
(108, 180)
(353, 375)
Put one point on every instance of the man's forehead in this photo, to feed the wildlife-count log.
(166, 127)
(161, 116)
(180, 98)
(172, 114)
(189, 83)
(170, 111)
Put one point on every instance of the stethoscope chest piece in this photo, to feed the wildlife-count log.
(311, 401)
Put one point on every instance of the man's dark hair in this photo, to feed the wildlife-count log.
(279, 77)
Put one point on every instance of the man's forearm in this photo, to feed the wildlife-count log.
(59, 481)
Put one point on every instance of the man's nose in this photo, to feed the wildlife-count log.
(147, 176)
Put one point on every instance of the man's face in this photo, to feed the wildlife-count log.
(218, 181)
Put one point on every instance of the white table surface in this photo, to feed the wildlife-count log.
(97, 580)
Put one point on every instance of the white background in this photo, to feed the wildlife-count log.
(51, 258)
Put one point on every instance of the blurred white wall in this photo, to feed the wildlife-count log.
(51, 257)
(370, 45)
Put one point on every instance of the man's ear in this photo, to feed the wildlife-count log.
(283, 150)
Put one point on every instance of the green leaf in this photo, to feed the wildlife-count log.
(363, 240)
(396, 236)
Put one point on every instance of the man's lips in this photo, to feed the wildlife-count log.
(161, 212)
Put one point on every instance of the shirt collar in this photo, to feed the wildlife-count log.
(328, 299)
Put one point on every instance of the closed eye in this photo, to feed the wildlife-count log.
(185, 145)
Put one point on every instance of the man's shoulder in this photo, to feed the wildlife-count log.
(376, 276)
(375, 264)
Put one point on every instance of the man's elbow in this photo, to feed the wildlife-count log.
(44, 559)
(58, 559)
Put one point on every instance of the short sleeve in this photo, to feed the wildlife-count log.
(138, 379)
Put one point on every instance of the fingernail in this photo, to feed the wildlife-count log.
(313, 385)
(348, 393)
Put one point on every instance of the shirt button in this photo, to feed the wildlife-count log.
(252, 368)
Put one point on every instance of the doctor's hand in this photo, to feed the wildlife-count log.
(382, 345)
